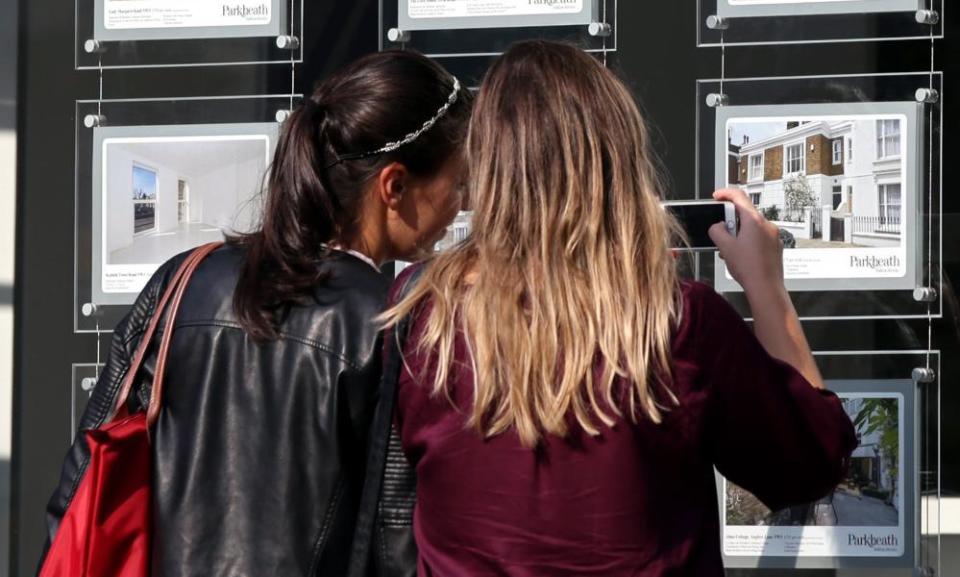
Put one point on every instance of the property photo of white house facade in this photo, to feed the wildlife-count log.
(828, 183)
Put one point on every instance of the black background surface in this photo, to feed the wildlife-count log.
(657, 55)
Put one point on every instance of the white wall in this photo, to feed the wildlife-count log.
(799, 230)
(864, 146)
(876, 240)
(215, 196)
(119, 179)
(822, 187)
(861, 174)
(221, 197)
(864, 194)
(772, 194)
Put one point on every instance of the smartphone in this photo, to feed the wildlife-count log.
(697, 216)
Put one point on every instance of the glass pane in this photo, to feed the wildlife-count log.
(144, 217)
(884, 514)
(868, 520)
(158, 178)
(134, 33)
(798, 21)
(849, 240)
(478, 27)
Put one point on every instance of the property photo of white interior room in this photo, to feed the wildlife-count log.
(165, 196)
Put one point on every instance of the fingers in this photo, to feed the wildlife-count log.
(739, 199)
(733, 195)
(721, 236)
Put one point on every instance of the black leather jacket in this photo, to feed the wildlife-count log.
(259, 451)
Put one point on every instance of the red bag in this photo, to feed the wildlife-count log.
(106, 531)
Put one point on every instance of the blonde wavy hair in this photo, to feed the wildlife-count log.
(566, 283)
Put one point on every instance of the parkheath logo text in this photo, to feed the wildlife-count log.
(245, 11)
(880, 264)
(873, 541)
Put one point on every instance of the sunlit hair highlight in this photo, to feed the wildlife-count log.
(566, 289)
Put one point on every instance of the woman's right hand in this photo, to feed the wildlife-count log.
(755, 256)
(755, 259)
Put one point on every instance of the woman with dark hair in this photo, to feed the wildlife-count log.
(259, 448)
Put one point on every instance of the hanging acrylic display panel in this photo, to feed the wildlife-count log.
(152, 33)
(885, 512)
(849, 170)
(746, 22)
(448, 28)
(810, 165)
(469, 14)
(157, 178)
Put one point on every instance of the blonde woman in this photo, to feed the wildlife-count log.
(566, 397)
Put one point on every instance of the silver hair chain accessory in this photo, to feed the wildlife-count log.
(391, 146)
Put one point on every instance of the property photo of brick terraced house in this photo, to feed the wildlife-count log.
(826, 183)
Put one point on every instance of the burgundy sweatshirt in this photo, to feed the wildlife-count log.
(637, 500)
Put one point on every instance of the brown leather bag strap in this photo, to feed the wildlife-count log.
(146, 339)
(179, 278)
(156, 393)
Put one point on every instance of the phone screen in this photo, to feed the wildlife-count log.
(697, 220)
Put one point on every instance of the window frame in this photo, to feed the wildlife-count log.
(883, 200)
(837, 151)
(183, 202)
(156, 179)
(835, 193)
(802, 159)
(751, 177)
(883, 137)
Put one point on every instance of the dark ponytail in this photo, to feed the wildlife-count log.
(312, 200)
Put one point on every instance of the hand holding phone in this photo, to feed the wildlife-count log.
(755, 259)
(697, 216)
(755, 256)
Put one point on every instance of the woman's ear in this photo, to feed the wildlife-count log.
(392, 184)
